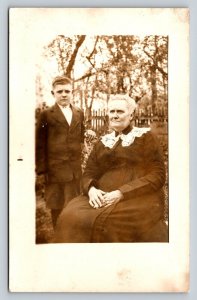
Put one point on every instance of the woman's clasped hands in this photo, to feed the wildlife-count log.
(99, 198)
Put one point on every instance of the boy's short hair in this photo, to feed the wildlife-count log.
(61, 80)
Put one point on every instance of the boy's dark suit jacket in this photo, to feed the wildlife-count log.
(58, 145)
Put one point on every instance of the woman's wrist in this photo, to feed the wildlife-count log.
(120, 194)
(92, 187)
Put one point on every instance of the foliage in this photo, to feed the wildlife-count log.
(44, 228)
(102, 65)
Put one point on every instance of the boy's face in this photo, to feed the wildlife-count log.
(62, 94)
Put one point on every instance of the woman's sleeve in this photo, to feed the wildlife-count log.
(154, 167)
(91, 173)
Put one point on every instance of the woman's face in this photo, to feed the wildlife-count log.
(119, 115)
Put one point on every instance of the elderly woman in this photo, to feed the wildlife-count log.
(122, 184)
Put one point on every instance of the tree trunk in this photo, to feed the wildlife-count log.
(154, 88)
(73, 56)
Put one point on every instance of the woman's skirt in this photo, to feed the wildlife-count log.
(134, 220)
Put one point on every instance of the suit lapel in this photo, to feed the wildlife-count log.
(58, 115)
(75, 118)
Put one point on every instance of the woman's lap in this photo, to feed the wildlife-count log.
(123, 222)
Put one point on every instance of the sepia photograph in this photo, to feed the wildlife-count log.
(111, 146)
(98, 149)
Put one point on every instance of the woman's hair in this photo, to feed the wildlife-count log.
(124, 97)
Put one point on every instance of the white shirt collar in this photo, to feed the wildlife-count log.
(67, 112)
(67, 107)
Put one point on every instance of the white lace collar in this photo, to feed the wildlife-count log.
(109, 140)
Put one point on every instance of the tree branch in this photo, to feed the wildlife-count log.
(162, 71)
(74, 54)
(155, 63)
(148, 54)
(96, 41)
(90, 73)
(91, 54)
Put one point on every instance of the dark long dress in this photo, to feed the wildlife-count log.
(137, 170)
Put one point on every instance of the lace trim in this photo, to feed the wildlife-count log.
(109, 140)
